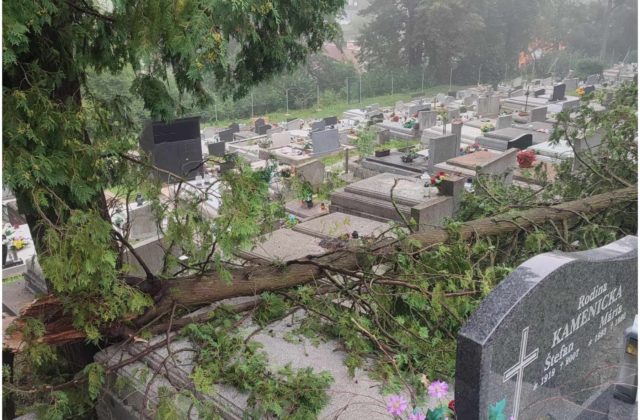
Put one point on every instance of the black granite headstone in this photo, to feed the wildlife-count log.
(330, 120)
(522, 142)
(259, 122)
(538, 92)
(318, 125)
(234, 127)
(226, 135)
(262, 129)
(547, 342)
(217, 149)
(558, 92)
(589, 89)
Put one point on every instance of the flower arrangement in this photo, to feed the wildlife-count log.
(19, 243)
(437, 180)
(472, 148)
(410, 156)
(526, 158)
(8, 230)
(486, 127)
(580, 91)
(398, 406)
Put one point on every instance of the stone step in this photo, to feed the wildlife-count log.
(356, 204)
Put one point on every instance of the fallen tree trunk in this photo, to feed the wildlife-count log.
(253, 280)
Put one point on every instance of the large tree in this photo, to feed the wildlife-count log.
(63, 145)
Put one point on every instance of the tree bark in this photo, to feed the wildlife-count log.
(250, 281)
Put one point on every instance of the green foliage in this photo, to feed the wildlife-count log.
(587, 67)
(365, 143)
(272, 307)
(95, 379)
(224, 357)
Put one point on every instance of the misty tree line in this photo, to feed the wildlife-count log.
(409, 45)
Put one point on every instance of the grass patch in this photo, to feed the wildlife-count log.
(336, 109)
(12, 279)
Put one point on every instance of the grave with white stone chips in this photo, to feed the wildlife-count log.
(548, 341)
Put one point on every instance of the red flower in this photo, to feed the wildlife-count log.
(452, 405)
(433, 181)
(526, 158)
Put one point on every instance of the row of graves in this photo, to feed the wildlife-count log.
(460, 135)
(567, 361)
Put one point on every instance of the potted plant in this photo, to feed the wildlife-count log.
(410, 156)
(306, 194)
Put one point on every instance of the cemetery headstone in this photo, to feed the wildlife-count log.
(571, 85)
(440, 149)
(558, 92)
(538, 114)
(522, 142)
(217, 149)
(538, 92)
(262, 129)
(588, 89)
(259, 122)
(280, 140)
(312, 171)
(503, 121)
(456, 129)
(295, 124)
(427, 119)
(547, 342)
(325, 141)
(234, 127)
(225, 135)
(318, 126)
(330, 120)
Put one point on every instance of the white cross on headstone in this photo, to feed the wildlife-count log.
(518, 370)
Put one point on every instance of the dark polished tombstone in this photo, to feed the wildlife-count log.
(589, 89)
(175, 147)
(330, 121)
(558, 92)
(547, 342)
(259, 122)
(522, 142)
(318, 126)
(234, 127)
(226, 135)
(262, 130)
(538, 92)
(217, 149)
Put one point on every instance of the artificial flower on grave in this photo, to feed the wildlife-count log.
(437, 180)
(580, 91)
(486, 127)
(526, 158)
(19, 243)
(472, 148)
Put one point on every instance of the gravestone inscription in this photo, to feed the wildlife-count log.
(548, 340)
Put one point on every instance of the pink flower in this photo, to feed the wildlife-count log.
(396, 405)
(417, 415)
(438, 389)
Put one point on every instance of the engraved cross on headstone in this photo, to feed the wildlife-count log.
(517, 370)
